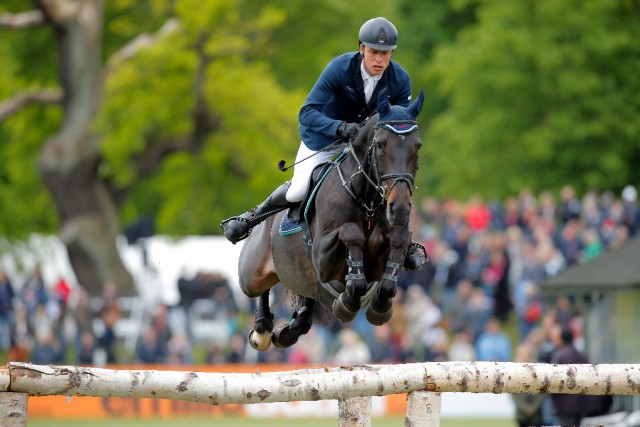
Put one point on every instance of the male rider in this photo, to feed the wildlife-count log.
(344, 95)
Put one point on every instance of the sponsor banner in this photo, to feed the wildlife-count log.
(95, 408)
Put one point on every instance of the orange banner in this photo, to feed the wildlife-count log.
(66, 407)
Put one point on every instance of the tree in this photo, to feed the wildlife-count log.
(91, 169)
(539, 93)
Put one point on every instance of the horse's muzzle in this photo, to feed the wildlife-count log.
(399, 206)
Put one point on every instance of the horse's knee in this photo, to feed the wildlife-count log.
(351, 235)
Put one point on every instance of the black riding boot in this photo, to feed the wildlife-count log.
(416, 256)
(239, 227)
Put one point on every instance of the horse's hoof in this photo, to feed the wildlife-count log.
(340, 310)
(259, 341)
(284, 337)
(378, 319)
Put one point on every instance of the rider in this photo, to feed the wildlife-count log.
(345, 94)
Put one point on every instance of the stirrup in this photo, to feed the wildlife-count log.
(415, 250)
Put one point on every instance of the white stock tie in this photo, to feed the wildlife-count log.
(369, 85)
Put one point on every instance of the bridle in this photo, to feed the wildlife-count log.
(399, 127)
(373, 177)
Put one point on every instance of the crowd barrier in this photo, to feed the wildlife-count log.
(352, 386)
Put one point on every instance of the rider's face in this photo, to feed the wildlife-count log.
(375, 61)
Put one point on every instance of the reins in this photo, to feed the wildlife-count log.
(400, 127)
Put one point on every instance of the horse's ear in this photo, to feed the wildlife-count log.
(383, 102)
(416, 106)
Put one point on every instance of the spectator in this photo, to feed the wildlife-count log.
(569, 208)
(462, 349)
(110, 314)
(149, 349)
(529, 308)
(569, 408)
(22, 340)
(85, 352)
(493, 345)
(630, 209)
(47, 350)
(180, 350)
(480, 307)
(477, 215)
(528, 406)
(458, 317)
(6, 310)
(34, 291)
(352, 349)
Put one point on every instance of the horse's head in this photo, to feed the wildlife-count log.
(396, 143)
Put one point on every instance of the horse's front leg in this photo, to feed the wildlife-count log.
(347, 304)
(380, 309)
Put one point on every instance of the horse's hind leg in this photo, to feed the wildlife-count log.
(260, 337)
(287, 335)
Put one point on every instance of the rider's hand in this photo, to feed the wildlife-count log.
(348, 130)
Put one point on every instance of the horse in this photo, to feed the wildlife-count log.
(356, 232)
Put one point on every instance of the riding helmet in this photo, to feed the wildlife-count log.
(379, 33)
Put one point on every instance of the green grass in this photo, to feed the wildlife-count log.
(250, 422)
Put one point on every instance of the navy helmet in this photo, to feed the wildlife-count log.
(379, 33)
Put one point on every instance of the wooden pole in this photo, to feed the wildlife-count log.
(423, 409)
(323, 384)
(355, 412)
(13, 409)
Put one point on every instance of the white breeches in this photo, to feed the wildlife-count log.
(302, 171)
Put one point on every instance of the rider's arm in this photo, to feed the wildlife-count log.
(311, 114)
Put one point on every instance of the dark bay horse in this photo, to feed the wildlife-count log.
(357, 233)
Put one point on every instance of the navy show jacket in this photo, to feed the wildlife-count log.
(338, 96)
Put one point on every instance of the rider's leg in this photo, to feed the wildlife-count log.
(308, 160)
(238, 227)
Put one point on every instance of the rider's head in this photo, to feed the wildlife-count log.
(378, 38)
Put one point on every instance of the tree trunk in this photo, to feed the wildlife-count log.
(69, 162)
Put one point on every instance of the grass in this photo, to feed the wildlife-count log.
(251, 422)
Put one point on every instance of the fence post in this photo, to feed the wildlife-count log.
(355, 412)
(423, 409)
(13, 409)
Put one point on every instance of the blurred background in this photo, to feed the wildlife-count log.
(129, 130)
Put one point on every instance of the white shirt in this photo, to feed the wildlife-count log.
(370, 81)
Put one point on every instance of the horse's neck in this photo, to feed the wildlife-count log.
(361, 150)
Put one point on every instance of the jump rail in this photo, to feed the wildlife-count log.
(352, 386)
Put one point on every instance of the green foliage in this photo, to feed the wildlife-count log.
(540, 93)
(151, 98)
(535, 93)
(314, 31)
(26, 204)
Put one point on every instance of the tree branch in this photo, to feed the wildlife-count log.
(130, 50)
(22, 99)
(58, 11)
(18, 21)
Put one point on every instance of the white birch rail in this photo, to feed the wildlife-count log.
(322, 384)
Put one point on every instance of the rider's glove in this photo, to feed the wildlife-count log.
(348, 130)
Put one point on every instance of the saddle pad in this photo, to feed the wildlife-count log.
(287, 227)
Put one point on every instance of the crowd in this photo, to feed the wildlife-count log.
(477, 298)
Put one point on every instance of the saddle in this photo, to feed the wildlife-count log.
(296, 217)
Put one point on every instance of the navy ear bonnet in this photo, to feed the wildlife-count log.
(396, 118)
